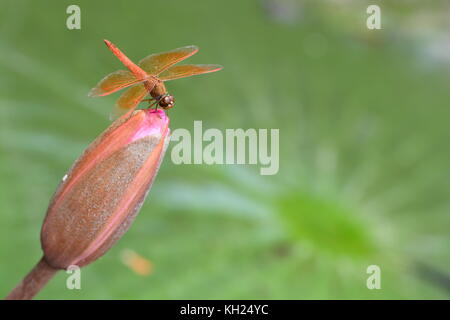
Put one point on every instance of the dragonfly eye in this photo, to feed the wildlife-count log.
(167, 102)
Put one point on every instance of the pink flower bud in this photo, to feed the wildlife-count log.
(101, 194)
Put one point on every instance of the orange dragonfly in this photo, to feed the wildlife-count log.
(148, 77)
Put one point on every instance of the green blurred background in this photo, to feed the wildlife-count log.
(364, 146)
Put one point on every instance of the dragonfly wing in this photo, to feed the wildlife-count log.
(188, 70)
(113, 82)
(158, 62)
(129, 100)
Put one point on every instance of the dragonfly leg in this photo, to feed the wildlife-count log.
(154, 103)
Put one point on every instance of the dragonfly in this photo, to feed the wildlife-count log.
(148, 78)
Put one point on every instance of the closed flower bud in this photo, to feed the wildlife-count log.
(99, 197)
(101, 194)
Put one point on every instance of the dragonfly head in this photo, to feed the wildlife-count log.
(167, 101)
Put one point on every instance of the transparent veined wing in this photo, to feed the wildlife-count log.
(129, 100)
(158, 62)
(188, 70)
(113, 82)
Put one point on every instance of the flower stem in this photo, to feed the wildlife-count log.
(35, 280)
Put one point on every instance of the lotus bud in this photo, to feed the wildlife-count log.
(98, 199)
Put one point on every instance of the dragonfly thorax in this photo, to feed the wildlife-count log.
(160, 95)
